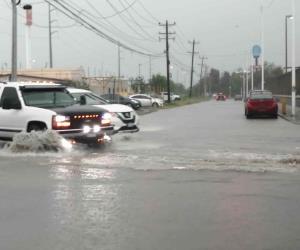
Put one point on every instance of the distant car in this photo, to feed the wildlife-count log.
(176, 97)
(220, 97)
(173, 97)
(238, 98)
(147, 100)
(261, 103)
(124, 118)
(118, 99)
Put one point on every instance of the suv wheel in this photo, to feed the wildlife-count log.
(36, 127)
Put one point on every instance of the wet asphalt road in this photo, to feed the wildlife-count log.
(196, 177)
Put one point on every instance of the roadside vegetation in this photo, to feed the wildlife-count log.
(212, 81)
(185, 101)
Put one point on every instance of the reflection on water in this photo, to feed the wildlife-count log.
(67, 172)
(85, 202)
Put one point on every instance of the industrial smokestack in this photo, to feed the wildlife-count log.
(28, 23)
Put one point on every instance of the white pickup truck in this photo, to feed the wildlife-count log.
(26, 107)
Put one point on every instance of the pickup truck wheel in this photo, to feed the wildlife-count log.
(36, 127)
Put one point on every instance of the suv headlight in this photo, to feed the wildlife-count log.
(60, 122)
(106, 119)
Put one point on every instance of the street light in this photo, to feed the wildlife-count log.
(263, 48)
(287, 17)
(293, 59)
(14, 56)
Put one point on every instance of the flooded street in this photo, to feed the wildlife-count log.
(196, 177)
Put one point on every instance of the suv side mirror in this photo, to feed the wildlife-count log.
(11, 103)
(82, 100)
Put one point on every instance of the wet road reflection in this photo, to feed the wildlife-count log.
(185, 181)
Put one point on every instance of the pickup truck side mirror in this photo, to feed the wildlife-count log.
(82, 100)
(11, 103)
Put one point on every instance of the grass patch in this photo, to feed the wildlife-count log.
(185, 101)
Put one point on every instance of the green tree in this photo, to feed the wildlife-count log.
(158, 84)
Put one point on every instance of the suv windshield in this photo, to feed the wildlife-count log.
(47, 98)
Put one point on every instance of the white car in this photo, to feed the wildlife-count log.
(147, 100)
(124, 118)
(172, 96)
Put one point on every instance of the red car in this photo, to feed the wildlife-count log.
(261, 103)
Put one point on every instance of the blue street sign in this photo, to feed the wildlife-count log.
(256, 51)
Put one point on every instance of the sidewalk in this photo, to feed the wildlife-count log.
(288, 115)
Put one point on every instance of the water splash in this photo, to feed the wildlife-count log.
(39, 142)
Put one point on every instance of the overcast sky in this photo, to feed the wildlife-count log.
(225, 29)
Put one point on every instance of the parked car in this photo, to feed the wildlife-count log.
(261, 103)
(147, 100)
(172, 96)
(124, 118)
(220, 97)
(26, 107)
(238, 98)
(118, 99)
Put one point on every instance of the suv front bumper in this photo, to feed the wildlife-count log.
(79, 136)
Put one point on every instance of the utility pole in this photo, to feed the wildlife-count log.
(244, 86)
(14, 55)
(50, 37)
(252, 76)
(140, 65)
(206, 80)
(201, 70)
(150, 68)
(192, 68)
(167, 37)
(119, 62)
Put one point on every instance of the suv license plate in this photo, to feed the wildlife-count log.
(130, 125)
(91, 135)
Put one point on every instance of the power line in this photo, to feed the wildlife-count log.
(130, 5)
(126, 22)
(133, 19)
(118, 30)
(148, 12)
(141, 16)
(71, 14)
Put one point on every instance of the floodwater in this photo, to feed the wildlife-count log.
(196, 177)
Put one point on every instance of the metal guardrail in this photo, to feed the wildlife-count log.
(289, 99)
(287, 96)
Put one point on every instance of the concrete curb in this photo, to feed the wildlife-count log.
(146, 111)
(289, 119)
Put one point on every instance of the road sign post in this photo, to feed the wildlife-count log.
(256, 52)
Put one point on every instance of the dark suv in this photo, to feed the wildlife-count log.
(118, 99)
